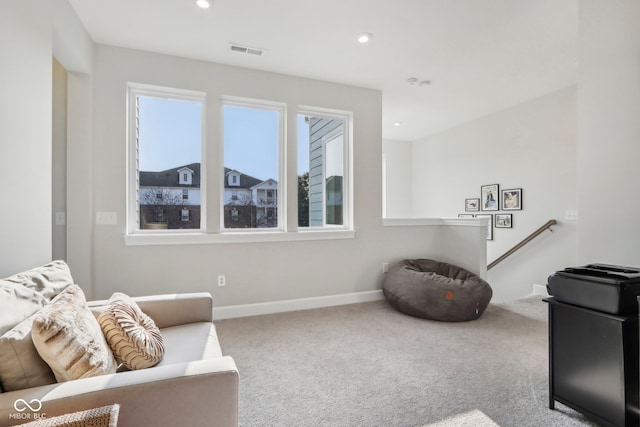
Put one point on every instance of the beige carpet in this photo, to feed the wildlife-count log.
(475, 418)
(369, 365)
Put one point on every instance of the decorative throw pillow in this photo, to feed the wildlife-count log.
(132, 335)
(24, 293)
(20, 364)
(68, 337)
(105, 416)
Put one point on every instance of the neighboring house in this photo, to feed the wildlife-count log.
(334, 200)
(248, 201)
(171, 199)
(324, 207)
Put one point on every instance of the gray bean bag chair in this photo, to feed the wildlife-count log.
(436, 290)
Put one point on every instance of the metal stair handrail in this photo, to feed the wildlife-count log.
(526, 240)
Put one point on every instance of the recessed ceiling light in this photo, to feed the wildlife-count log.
(364, 37)
(203, 4)
(396, 124)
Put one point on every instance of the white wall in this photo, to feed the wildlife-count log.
(398, 182)
(31, 33)
(609, 132)
(25, 134)
(530, 146)
(255, 272)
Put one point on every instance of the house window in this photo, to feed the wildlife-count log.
(165, 141)
(324, 170)
(159, 215)
(185, 215)
(253, 146)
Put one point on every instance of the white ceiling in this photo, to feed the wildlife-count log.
(480, 55)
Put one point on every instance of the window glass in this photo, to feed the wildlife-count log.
(321, 170)
(168, 135)
(252, 140)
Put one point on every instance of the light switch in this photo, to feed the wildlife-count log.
(106, 218)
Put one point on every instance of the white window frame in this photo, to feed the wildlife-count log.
(347, 179)
(135, 90)
(288, 230)
(281, 109)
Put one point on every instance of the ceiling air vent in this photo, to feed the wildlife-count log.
(246, 49)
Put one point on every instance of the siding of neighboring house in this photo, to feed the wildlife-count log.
(319, 127)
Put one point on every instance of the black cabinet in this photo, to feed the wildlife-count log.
(593, 363)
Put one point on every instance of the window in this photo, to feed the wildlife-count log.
(167, 176)
(165, 155)
(253, 145)
(323, 171)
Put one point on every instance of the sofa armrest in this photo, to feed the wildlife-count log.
(173, 309)
(204, 392)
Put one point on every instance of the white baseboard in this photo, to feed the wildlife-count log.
(540, 290)
(233, 311)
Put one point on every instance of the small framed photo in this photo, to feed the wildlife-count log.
(504, 221)
(471, 205)
(489, 197)
(490, 227)
(512, 199)
(465, 215)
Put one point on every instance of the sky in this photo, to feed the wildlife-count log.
(170, 135)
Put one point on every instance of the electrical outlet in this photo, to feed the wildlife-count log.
(221, 280)
(571, 215)
(385, 267)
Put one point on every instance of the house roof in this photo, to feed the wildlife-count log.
(170, 177)
(265, 184)
(246, 181)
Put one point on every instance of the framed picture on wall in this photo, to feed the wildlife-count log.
(512, 199)
(489, 197)
(465, 215)
(504, 221)
(490, 227)
(471, 205)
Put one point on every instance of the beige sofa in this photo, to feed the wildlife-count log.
(193, 385)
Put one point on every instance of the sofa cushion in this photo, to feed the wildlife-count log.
(23, 294)
(68, 337)
(132, 335)
(20, 364)
(188, 343)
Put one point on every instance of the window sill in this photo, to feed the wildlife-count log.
(150, 239)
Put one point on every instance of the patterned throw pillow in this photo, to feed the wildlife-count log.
(68, 337)
(132, 335)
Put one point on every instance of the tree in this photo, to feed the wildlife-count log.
(161, 196)
(303, 200)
